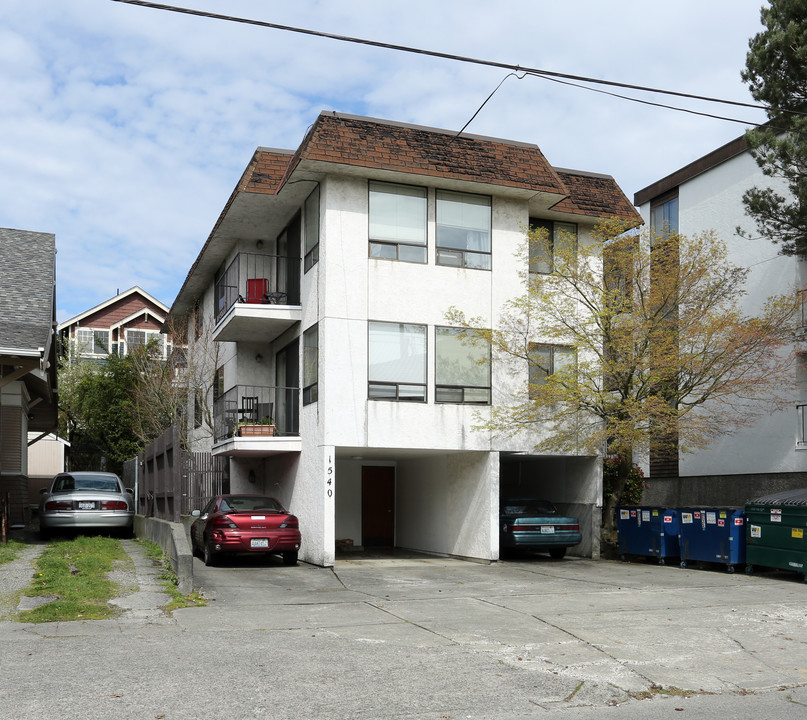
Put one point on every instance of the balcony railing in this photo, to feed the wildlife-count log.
(256, 405)
(258, 279)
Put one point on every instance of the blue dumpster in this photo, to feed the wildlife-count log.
(646, 530)
(712, 534)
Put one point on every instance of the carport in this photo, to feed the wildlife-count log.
(447, 503)
(430, 501)
(572, 483)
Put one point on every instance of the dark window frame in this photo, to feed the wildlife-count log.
(553, 347)
(310, 389)
(551, 226)
(311, 253)
(462, 255)
(380, 243)
(397, 385)
(446, 393)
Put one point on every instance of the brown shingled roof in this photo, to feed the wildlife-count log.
(383, 145)
(595, 195)
(265, 171)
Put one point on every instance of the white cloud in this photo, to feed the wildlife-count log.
(123, 130)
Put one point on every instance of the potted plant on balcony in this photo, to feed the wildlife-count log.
(245, 428)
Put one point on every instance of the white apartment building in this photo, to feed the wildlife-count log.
(325, 283)
(771, 454)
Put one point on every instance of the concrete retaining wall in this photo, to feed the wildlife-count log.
(173, 539)
(719, 490)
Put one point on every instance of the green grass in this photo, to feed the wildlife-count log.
(10, 550)
(74, 571)
(170, 579)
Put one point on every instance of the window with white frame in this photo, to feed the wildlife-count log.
(546, 360)
(560, 237)
(311, 229)
(462, 367)
(311, 365)
(397, 362)
(397, 222)
(92, 342)
(138, 338)
(463, 230)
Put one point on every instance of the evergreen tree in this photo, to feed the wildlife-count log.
(776, 73)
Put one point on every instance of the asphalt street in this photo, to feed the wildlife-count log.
(413, 637)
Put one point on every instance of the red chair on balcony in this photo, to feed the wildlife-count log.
(257, 289)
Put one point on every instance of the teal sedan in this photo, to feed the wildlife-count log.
(535, 525)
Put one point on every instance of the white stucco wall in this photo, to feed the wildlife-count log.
(446, 473)
(449, 504)
(713, 201)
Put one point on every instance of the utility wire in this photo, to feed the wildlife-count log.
(648, 102)
(547, 74)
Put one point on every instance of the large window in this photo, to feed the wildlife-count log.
(397, 222)
(462, 368)
(558, 236)
(311, 365)
(546, 360)
(311, 220)
(138, 338)
(397, 362)
(664, 215)
(463, 230)
(92, 342)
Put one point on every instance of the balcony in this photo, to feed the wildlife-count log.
(257, 295)
(256, 421)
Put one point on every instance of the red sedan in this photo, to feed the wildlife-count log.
(245, 524)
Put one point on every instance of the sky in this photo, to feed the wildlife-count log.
(124, 129)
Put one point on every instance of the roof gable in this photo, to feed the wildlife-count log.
(595, 195)
(125, 297)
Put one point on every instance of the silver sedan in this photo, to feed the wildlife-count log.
(86, 500)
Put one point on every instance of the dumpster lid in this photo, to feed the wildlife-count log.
(788, 497)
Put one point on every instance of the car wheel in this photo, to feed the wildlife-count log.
(557, 553)
(210, 555)
(290, 557)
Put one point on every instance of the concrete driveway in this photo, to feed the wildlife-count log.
(417, 637)
(534, 633)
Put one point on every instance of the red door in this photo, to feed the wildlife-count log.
(378, 506)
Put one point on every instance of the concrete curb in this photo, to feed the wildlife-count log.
(173, 539)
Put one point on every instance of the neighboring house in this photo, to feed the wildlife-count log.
(46, 458)
(28, 397)
(772, 453)
(326, 280)
(116, 326)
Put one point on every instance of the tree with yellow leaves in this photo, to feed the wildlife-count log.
(636, 342)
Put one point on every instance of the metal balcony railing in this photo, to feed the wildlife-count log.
(258, 279)
(253, 405)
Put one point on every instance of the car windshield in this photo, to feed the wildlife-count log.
(528, 507)
(249, 503)
(77, 482)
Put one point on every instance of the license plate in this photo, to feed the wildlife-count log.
(86, 505)
(259, 542)
(547, 529)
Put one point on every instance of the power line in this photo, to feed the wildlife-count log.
(546, 74)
